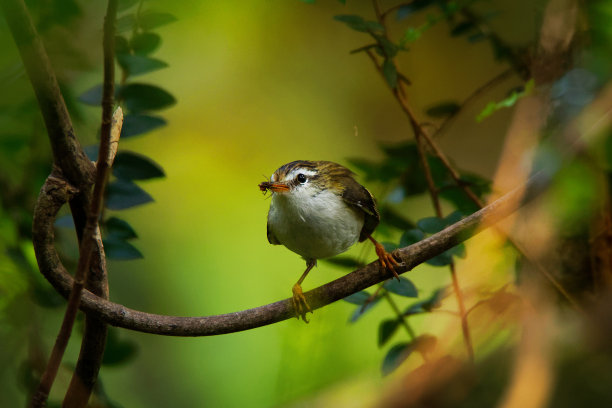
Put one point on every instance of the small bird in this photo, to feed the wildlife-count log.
(318, 210)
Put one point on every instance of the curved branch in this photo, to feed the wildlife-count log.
(50, 200)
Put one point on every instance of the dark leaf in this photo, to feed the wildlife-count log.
(362, 309)
(358, 298)
(443, 259)
(135, 166)
(477, 37)
(431, 225)
(443, 109)
(145, 43)
(404, 287)
(138, 124)
(344, 261)
(151, 19)
(118, 228)
(462, 28)
(453, 217)
(92, 96)
(414, 6)
(121, 194)
(428, 304)
(389, 246)
(121, 45)
(144, 97)
(125, 23)
(375, 171)
(389, 49)
(459, 199)
(395, 357)
(118, 351)
(139, 64)
(410, 237)
(392, 218)
(359, 24)
(390, 72)
(386, 329)
(126, 4)
(47, 297)
(119, 249)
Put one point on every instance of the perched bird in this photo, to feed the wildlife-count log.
(318, 210)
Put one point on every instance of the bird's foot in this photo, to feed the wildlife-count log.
(386, 259)
(300, 305)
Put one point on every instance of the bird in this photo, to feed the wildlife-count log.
(318, 210)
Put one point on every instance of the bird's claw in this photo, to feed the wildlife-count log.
(300, 305)
(387, 260)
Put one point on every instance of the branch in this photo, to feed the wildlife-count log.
(53, 196)
(67, 151)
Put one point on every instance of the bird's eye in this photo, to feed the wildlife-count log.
(301, 178)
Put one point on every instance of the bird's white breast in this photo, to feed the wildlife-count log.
(314, 225)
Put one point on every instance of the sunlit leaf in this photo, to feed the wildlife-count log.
(151, 19)
(119, 228)
(358, 298)
(403, 287)
(507, 102)
(134, 124)
(139, 64)
(121, 194)
(135, 166)
(144, 97)
(119, 249)
(386, 329)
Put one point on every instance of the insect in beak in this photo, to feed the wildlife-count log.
(274, 187)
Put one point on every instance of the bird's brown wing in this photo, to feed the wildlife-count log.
(358, 197)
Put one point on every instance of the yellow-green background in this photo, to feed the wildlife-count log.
(259, 84)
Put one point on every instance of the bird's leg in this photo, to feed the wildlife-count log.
(300, 305)
(387, 260)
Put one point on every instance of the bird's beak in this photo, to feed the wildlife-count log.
(274, 187)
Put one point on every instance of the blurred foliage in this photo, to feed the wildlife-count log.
(578, 194)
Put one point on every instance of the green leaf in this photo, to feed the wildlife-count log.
(386, 329)
(126, 4)
(357, 23)
(404, 287)
(121, 194)
(134, 124)
(428, 304)
(443, 109)
(139, 64)
(135, 166)
(119, 249)
(443, 259)
(390, 72)
(361, 310)
(411, 35)
(389, 49)
(344, 261)
(358, 298)
(389, 216)
(118, 228)
(395, 357)
(453, 217)
(145, 43)
(143, 97)
(412, 236)
(411, 8)
(121, 45)
(118, 351)
(462, 28)
(375, 171)
(93, 96)
(389, 246)
(151, 19)
(431, 225)
(507, 102)
(125, 23)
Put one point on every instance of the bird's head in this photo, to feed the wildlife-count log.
(307, 178)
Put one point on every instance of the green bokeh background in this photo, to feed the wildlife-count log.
(259, 84)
